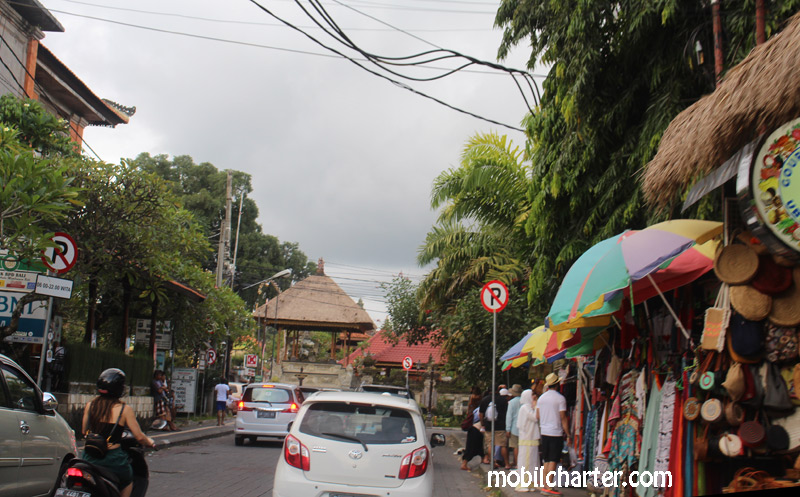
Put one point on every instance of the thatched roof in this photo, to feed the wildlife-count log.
(759, 94)
(316, 303)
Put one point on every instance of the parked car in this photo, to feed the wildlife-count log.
(356, 443)
(35, 441)
(236, 395)
(390, 389)
(266, 410)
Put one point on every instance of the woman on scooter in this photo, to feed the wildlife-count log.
(108, 416)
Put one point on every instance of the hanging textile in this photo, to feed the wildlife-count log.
(666, 415)
(625, 444)
(650, 437)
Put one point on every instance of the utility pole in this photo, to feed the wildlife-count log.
(223, 253)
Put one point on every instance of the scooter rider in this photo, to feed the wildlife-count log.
(100, 416)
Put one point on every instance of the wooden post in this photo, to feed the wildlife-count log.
(761, 34)
(717, 26)
(334, 335)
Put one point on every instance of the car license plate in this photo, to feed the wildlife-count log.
(266, 414)
(65, 492)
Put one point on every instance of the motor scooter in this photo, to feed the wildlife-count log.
(83, 479)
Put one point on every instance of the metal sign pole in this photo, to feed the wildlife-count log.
(45, 341)
(494, 388)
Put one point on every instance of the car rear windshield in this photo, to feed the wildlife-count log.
(397, 392)
(268, 395)
(359, 422)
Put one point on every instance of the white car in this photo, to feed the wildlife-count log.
(266, 410)
(356, 444)
(35, 441)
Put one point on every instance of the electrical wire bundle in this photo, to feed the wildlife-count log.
(528, 88)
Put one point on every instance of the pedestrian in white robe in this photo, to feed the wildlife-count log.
(529, 436)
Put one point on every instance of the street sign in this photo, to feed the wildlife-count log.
(30, 328)
(54, 287)
(250, 360)
(249, 372)
(61, 259)
(407, 363)
(211, 356)
(18, 281)
(184, 384)
(494, 296)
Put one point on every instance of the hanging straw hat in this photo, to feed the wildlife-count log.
(750, 303)
(786, 308)
(754, 243)
(771, 278)
(736, 264)
(551, 379)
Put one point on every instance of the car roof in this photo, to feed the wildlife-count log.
(372, 398)
(271, 385)
(385, 387)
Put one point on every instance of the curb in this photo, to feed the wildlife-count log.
(186, 436)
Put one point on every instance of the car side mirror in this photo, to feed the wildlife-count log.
(49, 402)
(437, 439)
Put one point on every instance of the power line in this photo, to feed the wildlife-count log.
(383, 76)
(248, 23)
(243, 43)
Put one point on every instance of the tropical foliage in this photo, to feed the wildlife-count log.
(619, 72)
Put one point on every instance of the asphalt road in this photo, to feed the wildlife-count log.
(217, 467)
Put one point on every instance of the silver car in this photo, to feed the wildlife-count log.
(266, 410)
(354, 444)
(35, 441)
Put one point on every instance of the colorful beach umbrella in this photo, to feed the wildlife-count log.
(516, 350)
(594, 286)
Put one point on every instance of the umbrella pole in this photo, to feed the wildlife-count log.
(671, 311)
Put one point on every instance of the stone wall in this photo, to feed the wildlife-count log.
(71, 405)
(322, 375)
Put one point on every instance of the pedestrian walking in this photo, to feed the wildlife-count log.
(223, 391)
(512, 431)
(161, 407)
(494, 411)
(474, 445)
(529, 436)
(551, 410)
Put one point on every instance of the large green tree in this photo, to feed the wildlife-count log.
(619, 73)
(201, 189)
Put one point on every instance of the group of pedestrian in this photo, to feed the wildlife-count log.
(163, 401)
(529, 426)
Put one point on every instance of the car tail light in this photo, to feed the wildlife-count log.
(291, 408)
(414, 464)
(75, 472)
(296, 454)
(241, 407)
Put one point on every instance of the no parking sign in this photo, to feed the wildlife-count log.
(211, 356)
(494, 296)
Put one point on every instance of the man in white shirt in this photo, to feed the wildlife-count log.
(551, 409)
(223, 392)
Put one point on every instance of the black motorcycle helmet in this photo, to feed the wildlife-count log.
(111, 383)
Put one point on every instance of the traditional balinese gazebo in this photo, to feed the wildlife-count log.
(316, 303)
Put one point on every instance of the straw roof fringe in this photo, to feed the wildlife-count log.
(315, 303)
(759, 94)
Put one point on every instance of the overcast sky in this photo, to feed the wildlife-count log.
(342, 162)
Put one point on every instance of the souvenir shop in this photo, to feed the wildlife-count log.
(687, 360)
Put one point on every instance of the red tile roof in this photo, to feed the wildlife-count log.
(385, 352)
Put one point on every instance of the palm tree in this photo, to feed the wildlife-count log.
(480, 232)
